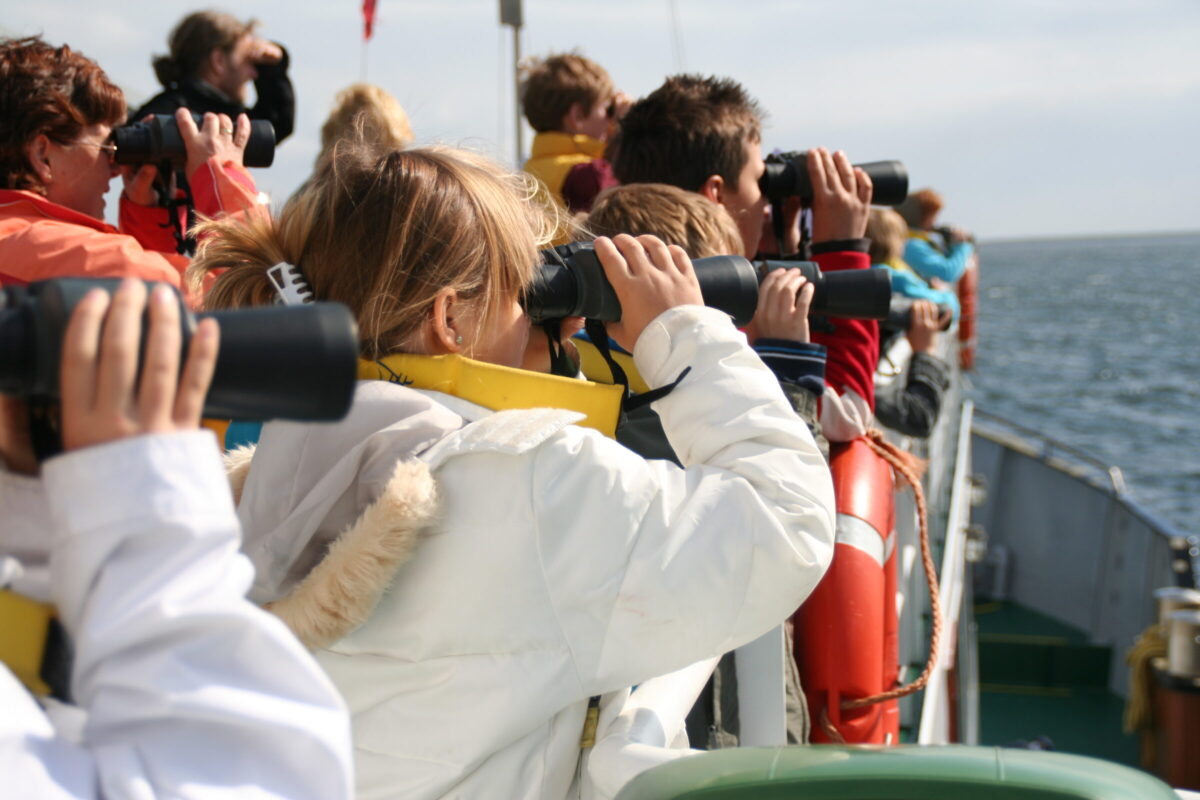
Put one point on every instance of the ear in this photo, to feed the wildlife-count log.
(574, 118)
(37, 152)
(441, 334)
(713, 188)
(214, 66)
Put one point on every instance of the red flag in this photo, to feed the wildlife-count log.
(368, 9)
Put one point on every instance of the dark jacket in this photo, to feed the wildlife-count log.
(914, 409)
(276, 99)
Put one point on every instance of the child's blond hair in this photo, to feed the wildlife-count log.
(701, 227)
(367, 111)
(888, 233)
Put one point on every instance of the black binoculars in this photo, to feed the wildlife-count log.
(157, 140)
(571, 283)
(899, 317)
(282, 362)
(786, 176)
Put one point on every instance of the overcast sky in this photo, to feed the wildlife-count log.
(1032, 118)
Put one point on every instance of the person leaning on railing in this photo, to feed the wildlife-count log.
(189, 690)
(58, 110)
(888, 233)
(941, 254)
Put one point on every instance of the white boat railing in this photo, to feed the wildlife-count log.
(932, 716)
(937, 725)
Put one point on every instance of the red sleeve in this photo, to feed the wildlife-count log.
(584, 182)
(223, 190)
(217, 190)
(150, 225)
(55, 249)
(853, 347)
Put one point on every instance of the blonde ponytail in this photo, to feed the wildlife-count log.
(241, 251)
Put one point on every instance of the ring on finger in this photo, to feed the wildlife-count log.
(227, 130)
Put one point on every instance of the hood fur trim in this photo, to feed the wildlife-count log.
(237, 469)
(341, 592)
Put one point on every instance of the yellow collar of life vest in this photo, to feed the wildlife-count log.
(24, 635)
(900, 265)
(499, 388)
(917, 233)
(558, 143)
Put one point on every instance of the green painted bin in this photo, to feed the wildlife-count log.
(911, 772)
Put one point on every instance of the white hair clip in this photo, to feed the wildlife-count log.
(290, 287)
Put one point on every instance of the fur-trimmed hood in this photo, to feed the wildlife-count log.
(342, 590)
(330, 512)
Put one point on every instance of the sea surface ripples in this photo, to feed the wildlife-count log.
(1095, 343)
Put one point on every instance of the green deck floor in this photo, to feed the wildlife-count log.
(1039, 677)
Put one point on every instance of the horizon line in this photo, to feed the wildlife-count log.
(1061, 237)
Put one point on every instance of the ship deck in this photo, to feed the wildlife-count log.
(1041, 677)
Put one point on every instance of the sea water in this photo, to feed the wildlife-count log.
(1096, 343)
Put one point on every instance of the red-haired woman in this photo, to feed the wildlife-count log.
(57, 112)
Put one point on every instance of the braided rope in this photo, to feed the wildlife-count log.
(900, 461)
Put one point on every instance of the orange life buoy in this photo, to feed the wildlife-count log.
(968, 300)
(846, 633)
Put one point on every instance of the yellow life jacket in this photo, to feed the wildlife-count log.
(498, 388)
(554, 154)
(26, 626)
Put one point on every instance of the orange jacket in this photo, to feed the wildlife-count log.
(40, 239)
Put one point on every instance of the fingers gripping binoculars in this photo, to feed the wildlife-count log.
(786, 175)
(158, 139)
(283, 362)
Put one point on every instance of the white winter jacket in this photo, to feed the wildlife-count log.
(559, 564)
(190, 691)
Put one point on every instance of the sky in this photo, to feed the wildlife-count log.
(1032, 118)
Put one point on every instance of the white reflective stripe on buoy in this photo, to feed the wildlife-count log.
(859, 534)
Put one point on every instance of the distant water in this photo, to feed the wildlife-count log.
(1096, 343)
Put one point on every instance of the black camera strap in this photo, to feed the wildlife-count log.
(599, 336)
(175, 193)
(44, 433)
(560, 362)
(777, 228)
(777, 225)
(629, 402)
(185, 243)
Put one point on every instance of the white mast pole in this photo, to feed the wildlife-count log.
(511, 14)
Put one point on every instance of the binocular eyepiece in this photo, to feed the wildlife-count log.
(157, 140)
(571, 283)
(786, 175)
(283, 362)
